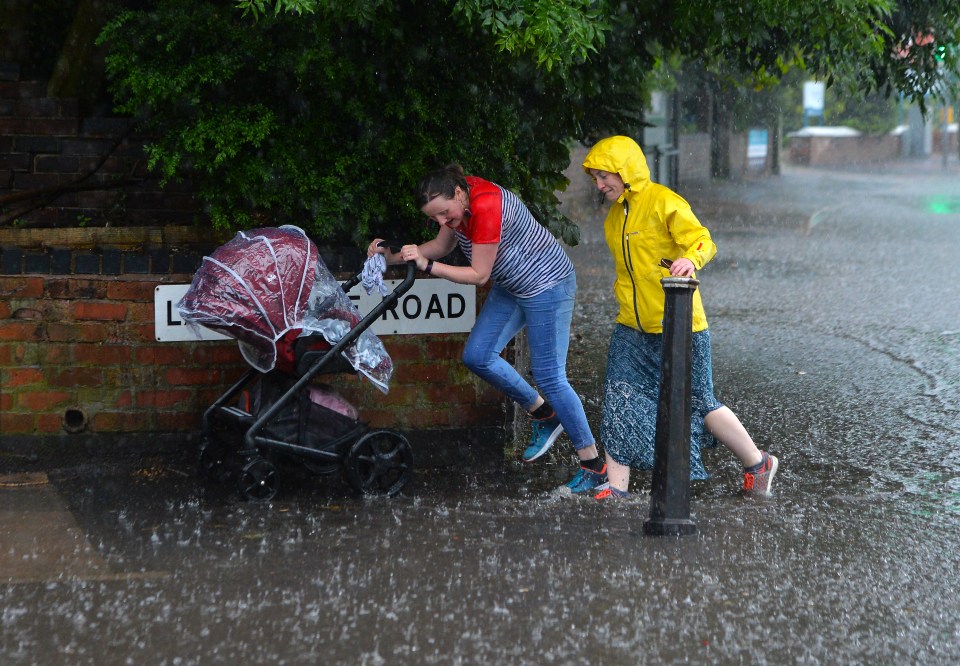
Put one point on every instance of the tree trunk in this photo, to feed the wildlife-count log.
(79, 72)
(775, 146)
(721, 128)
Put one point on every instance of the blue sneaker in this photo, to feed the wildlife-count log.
(545, 433)
(587, 480)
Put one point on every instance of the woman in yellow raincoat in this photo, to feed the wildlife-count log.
(647, 222)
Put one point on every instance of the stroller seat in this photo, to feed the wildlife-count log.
(298, 353)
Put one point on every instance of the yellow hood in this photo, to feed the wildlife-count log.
(620, 155)
(649, 222)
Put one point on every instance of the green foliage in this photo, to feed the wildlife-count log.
(872, 113)
(318, 120)
(325, 113)
(556, 32)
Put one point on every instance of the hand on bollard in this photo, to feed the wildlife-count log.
(679, 268)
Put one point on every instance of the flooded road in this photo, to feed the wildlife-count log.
(836, 337)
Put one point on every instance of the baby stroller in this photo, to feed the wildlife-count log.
(270, 290)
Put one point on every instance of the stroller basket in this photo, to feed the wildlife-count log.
(303, 420)
(269, 289)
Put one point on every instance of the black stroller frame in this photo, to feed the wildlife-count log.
(374, 461)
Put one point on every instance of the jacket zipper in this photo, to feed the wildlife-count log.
(628, 261)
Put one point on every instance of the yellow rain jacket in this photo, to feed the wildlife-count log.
(647, 223)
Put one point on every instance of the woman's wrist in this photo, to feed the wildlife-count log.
(429, 267)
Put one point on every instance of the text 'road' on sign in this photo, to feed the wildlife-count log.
(431, 306)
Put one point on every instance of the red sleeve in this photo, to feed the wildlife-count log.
(486, 208)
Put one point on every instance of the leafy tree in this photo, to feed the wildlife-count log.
(328, 119)
(325, 113)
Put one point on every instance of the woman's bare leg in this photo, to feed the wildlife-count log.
(726, 427)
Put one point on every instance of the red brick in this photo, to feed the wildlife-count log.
(74, 376)
(437, 394)
(6, 402)
(57, 355)
(17, 424)
(143, 332)
(442, 349)
(20, 330)
(76, 289)
(225, 353)
(407, 396)
(205, 396)
(427, 418)
(380, 418)
(402, 349)
(141, 312)
(170, 354)
(162, 398)
(425, 374)
(4, 310)
(42, 401)
(192, 376)
(6, 354)
(22, 377)
(118, 422)
(131, 291)
(28, 314)
(100, 311)
(101, 354)
(49, 423)
(124, 400)
(78, 332)
(21, 287)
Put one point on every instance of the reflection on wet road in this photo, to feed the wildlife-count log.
(837, 343)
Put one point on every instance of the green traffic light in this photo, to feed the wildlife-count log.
(942, 205)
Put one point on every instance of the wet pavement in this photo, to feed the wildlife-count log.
(836, 336)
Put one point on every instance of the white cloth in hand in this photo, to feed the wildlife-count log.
(372, 277)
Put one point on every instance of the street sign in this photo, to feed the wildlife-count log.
(167, 324)
(431, 306)
(814, 94)
(813, 97)
(757, 140)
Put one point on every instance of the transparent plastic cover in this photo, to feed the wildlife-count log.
(267, 282)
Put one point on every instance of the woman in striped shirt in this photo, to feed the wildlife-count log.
(534, 286)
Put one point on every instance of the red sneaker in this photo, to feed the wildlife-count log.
(759, 482)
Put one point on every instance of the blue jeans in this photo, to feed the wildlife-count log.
(547, 317)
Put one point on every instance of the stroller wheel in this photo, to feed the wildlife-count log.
(379, 463)
(258, 480)
(212, 460)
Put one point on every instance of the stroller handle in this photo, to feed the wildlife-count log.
(394, 246)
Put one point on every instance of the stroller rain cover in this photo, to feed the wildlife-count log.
(267, 283)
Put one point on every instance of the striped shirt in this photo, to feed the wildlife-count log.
(529, 260)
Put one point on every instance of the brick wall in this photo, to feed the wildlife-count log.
(58, 169)
(79, 359)
(79, 362)
(840, 150)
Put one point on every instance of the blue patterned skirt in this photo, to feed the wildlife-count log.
(631, 392)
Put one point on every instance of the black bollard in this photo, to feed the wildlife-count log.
(670, 492)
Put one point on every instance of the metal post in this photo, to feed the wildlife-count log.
(670, 493)
(945, 136)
